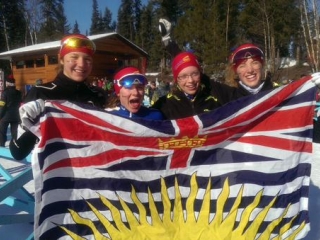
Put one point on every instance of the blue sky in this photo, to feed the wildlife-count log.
(81, 11)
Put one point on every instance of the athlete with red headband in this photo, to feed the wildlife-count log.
(129, 85)
(76, 58)
(247, 70)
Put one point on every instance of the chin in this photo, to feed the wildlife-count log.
(191, 92)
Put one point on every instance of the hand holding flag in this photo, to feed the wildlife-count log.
(30, 113)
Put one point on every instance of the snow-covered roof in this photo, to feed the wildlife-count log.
(56, 44)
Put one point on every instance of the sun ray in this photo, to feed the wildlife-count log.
(222, 198)
(141, 208)
(204, 214)
(116, 215)
(230, 219)
(177, 211)
(129, 214)
(273, 224)
(156, 221)
(246, 214)
(190, 217)
(173, 224)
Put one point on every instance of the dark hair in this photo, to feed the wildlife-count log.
(112, 101)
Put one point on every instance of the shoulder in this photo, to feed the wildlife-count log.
(46, 86)
(41, 91)
(152, 113)
(161, 101)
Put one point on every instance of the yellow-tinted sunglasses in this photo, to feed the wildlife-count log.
(74, 42)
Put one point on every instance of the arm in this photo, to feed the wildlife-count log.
(21, 147)
(224, 93)
(3, 106)
(29, 114)
(170, 45)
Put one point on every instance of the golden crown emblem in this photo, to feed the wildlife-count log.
(184, 142)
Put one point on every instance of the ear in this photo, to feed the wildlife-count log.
(61, 61)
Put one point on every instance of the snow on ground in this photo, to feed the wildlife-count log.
(22, 231)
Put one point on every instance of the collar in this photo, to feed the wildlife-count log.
(62, 79)
(252, 90)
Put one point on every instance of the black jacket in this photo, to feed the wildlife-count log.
(62, 88)
(222, 92)
(9, 104)
(177, 105)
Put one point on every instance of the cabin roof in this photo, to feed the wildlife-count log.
(49, 46)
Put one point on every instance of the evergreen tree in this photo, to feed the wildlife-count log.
(51, 27)
(13, 31)
(126, 21)
(12, 24)
(62, 22)
(95, 19)
(272, 27)
(150, 37)
(76, 28)
(108, 24)
(137, 16)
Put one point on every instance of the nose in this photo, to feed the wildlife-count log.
(81, 61)
(250, 67)
(134, 90)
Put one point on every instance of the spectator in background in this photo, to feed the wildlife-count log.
(38, 82)
(150, 89)
(162, 90)
(9, 110)
(76, 59)
(129, 86)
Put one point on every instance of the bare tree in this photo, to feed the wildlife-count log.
(33, 19)
(310, 29)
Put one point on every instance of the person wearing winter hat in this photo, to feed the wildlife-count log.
(76, 59)
(222, 92)
(246, 68)
(190, 96)
(129, 86)
(9, 110)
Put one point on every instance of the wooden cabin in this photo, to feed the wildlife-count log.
(41, 61)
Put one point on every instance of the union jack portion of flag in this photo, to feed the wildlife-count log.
(238, 172)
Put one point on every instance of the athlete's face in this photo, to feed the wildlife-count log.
(250, 73)
(131, 98)
(189, 80)
(77, 65)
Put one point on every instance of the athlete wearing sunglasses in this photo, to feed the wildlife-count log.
(246, 68)
(129, 85)
(76, 59)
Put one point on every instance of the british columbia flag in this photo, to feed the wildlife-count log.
(238, 172)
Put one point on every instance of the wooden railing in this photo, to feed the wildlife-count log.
(12, 187)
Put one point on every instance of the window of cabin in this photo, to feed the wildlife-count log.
(29, 63)
(53, 59)
(40, 62)
(19, 64)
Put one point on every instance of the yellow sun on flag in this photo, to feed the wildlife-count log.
(176, 223)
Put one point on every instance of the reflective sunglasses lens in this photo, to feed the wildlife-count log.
(247, 53)
(128, 81)
(80, 43)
